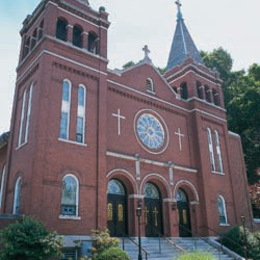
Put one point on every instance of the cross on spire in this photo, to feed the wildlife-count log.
(178, 3)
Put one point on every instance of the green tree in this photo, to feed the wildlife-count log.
(29, 239)
(128, 64)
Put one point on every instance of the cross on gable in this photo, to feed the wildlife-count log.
(146, 52)
(180, 136)
(178, 3)
(119, 118)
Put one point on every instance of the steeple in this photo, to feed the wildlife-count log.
(183, 46)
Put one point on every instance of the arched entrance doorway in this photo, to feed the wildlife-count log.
(116, 208)
(184, 214)
(153, 211)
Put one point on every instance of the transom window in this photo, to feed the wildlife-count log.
(116, 187)
(181, 196)
(151, 191)
(69, 199)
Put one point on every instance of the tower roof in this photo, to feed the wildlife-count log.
(183, 46)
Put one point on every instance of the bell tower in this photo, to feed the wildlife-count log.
(59, 115)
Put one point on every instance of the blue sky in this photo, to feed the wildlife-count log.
(232, 24)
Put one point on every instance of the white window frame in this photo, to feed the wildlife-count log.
(77, 198)
(225, 211)
(217, 142)
(28, 113)
(152, 86)
(211, 150)
(2, 185)
(65, 108)
(22, 119)
(16, 195)
(82, 111)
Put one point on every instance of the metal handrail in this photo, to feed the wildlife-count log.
(172, 243)
(136, 244)
(202, 238)
(217, 233)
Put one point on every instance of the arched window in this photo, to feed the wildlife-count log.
(215, 97)
(2, 186)
(77, 36)
(93, 43)
(28, 114)
(17, 195)
(81, 114)
(20, 140)
(184, 90)
(115, 187)
(26, 48)
(150, 85)
(208, 94)
(40, 31)
(34, 38)
(220, 164)
(61, 29)
(151, 191)
(211, 151)
(65, 110)
(199, 90)
(70, 196)
(222, 211)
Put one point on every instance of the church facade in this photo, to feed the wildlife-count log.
(88, 144)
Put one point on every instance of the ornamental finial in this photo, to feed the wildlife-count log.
(179, 15)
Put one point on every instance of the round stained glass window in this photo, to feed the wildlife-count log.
(150, 131)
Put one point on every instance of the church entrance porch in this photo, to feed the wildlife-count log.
(116, 209)
(153, 211)
(183, 214)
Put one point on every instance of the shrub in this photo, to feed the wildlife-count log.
(29, 239)
(102, 241)
(113, 253)
(196, 256)
(234, 239)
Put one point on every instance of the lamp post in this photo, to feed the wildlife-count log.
(243, 220)
(139, 214)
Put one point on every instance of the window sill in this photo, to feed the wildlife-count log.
(151, 92)
(21, 146)
(218, 173)
(69, 217)
(257, 220)
(225, 225)
(72, 142)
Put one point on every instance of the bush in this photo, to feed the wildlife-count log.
(113, 253)
(29, 239)
(196, 256)
(102, 241)
(234, 240)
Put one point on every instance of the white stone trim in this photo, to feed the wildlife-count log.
(169, 200)
(218, 173)
(68, 217)
(167, 186)
(124, 171)
(234, 134)
(148, 161)
(136, 196)
(72, 142)
(189, 184)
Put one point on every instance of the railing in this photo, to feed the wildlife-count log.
(227, 238)
(135, 243)
(197, 236)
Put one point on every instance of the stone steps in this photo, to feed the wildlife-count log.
(168, 252)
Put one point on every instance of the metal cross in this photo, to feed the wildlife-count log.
(119, 117)
(146, 52)
(180, 136)
(178, 3)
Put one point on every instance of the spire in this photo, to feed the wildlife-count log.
(183, 46)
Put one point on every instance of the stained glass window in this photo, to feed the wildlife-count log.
(222, 210)
(66, 91)
(69, 196)
(116, 187)
(181, 196)
(150, 131)
(151, 192)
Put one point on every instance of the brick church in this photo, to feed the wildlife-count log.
(87, 144)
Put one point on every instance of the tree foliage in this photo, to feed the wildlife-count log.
(29, 239)
(241, 95)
